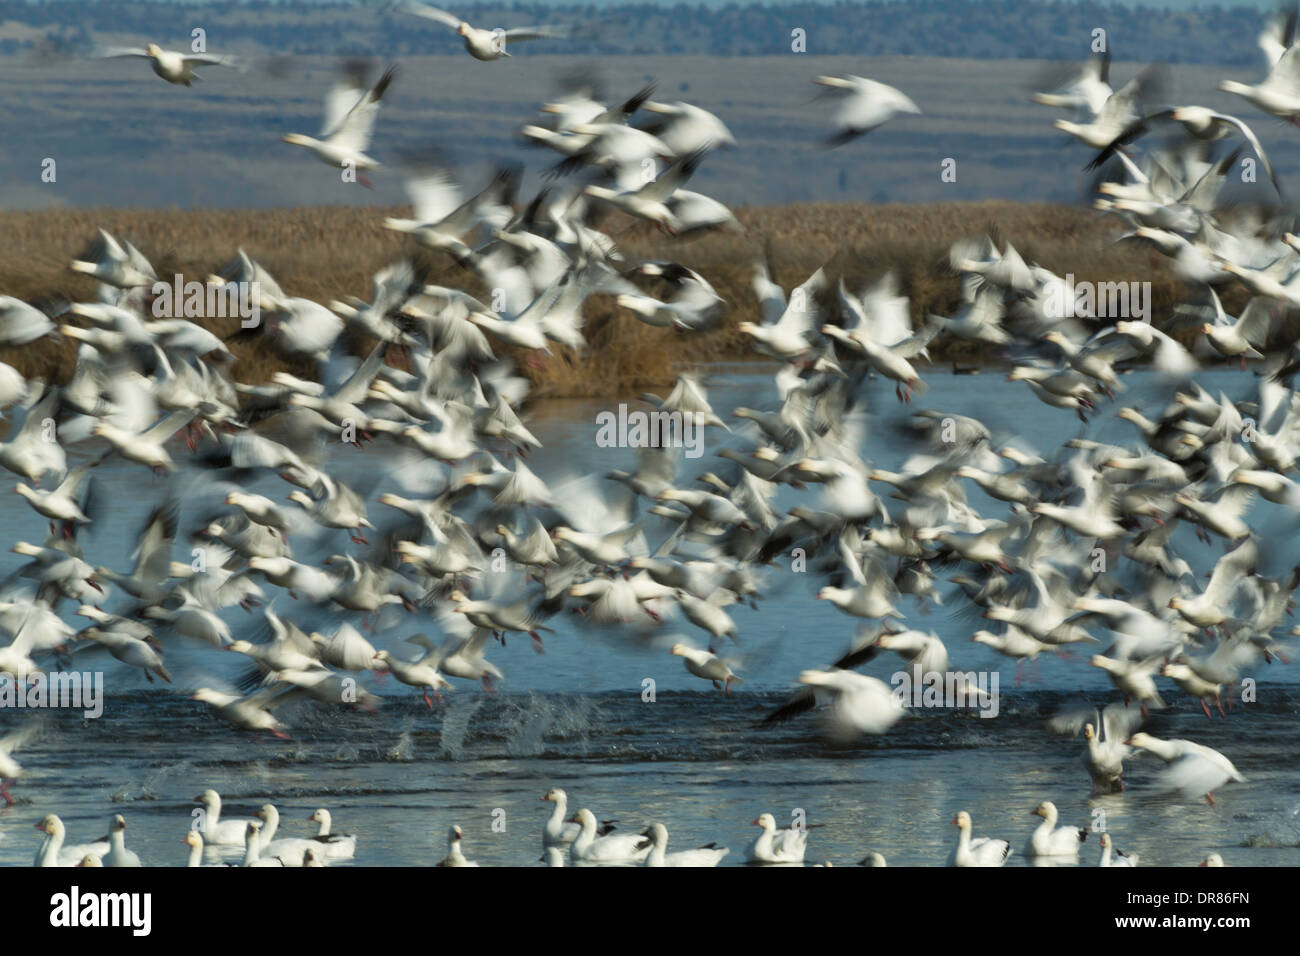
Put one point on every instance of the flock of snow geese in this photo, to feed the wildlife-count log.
(1087, 545)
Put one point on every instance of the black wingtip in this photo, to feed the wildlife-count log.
(385, 81)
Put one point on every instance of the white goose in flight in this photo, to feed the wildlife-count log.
(1278, 94)
(866, 105)
(176, 68)
(350, 111)
(484, 44)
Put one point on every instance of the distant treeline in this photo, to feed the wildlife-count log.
(975, 29)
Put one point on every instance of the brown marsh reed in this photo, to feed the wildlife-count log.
(329, 252)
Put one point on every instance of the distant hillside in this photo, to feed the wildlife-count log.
(999, 29)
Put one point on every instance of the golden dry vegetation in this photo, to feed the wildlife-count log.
(325, 253)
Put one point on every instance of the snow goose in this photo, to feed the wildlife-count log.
(53, 852)
(588, 847)
(498, 618)
(1118, 113)
(859, 704)
(441, 216)
(118, 854)
(708, 855)
(1104, 737)
(330, 846)
(176, 68)
(869, 597)
(57, 569)
(1014, 643)
(301, 327)
(1278, 94)
(685, 128)
(776, 846)
(29, 452)
(1086, 91)
(147, 447)
(484, 44)
(15, 658)
(455, 856)
(194, 840)
(288, 850)
(1194, 685)
(333, 504)
(1049, 841)
(709, 666)
(1133, 679)
(142, 653)
(1121, 858)
(785, 331)
(12, 384)
(247, 713)
(419, 674)
(1243, 337)
(866, 105)
(350, 112)
(346, 649)
(215, 831)
(535, 549)
(707, 613)
(1193, 769)
(1214, 605)
(979, 319)
(62, 503)
(693, 306)
(1203, 124)
(649, 201)
(558, 832)
(981, 851)
(1212, 859)
(21, 323)
(288, 648)
(116, 263)
(253, 847)
(462, 656)
(10, 769)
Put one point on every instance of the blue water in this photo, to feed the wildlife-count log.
(692, 758)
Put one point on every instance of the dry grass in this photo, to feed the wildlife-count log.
(325, 253)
